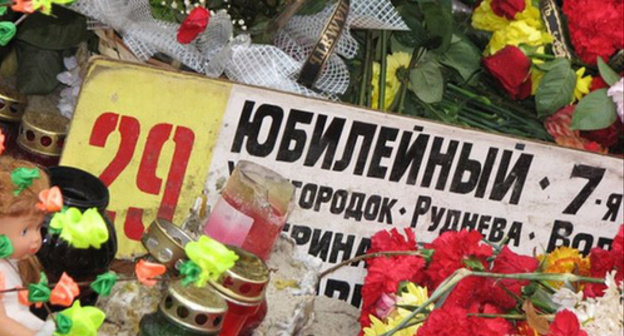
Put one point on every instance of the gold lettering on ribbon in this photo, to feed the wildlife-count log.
(552, 22)
(324, 47)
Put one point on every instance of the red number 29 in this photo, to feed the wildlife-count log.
(147, 181)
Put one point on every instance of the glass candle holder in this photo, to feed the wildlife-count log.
(12, 106)
(41, 138)
(243, 287)
(252, 209)
(186, 311)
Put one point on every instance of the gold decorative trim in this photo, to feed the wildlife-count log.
(165, 242)
(13, 104)
(246, 282)
(199, 309)
(43, 134)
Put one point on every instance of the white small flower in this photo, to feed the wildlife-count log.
(566, 298)
(616, 92)
(602, 316)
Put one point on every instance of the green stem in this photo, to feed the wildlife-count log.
(383, 68)
(417, 55)
(460, 274)
(469, 94)
(445, 286)
(367, 67)
(542, 56)
(505, 316)
(539, 276)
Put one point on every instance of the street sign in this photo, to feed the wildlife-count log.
(356, 171)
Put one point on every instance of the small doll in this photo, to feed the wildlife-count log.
(20, 221)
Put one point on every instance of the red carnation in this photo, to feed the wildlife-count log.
(566, 324)
(446, 321)
(595, 27)
(602, 261)
(384, 276)
(607, 137)
(617, 248)
(598, 83)
(507, 8)
(455, 321)
(195, 23)
(393, 241)
(450, 250)
(510, 66)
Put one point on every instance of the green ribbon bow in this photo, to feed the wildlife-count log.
(212, 257)
(39, 292)
(7, 31)
(6, 247)
(104, 283)
(85, 321)
(190, 271)
(63, 324)
(23, 178)
(80, 230)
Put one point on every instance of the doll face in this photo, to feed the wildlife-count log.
(24, 233)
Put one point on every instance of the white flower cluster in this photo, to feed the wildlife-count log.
(69, 95)
(598, 316)
(186, 6)
(616, 92)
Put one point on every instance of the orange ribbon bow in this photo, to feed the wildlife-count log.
(22, 297)
(64, 292)
(24, 6)
(51, 200)
(147, 271)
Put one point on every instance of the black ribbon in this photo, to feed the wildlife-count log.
(323, 49)
(552, 21)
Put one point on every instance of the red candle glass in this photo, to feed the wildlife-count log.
(243, 288)
(252, 209)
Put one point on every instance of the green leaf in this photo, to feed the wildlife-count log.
(313, 7)
(463, 56)
(473, 263)
(63, 30)
(549, 65)
(396, 46)
(32, 77)
(439, 21)
(594, 111)
(417, 36)
(427, 82)
(556, 89)
(610, 77)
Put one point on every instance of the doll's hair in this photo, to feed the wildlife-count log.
(21, 205)
(24, 203)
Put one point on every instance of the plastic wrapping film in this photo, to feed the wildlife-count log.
(217, 51)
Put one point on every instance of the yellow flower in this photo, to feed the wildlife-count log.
(394, 62)
(531, 15)
(484, 18)
(377, 327)
(565, 260)
(582, 84)
(415, 296)
(516, 33)
(536, 78)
